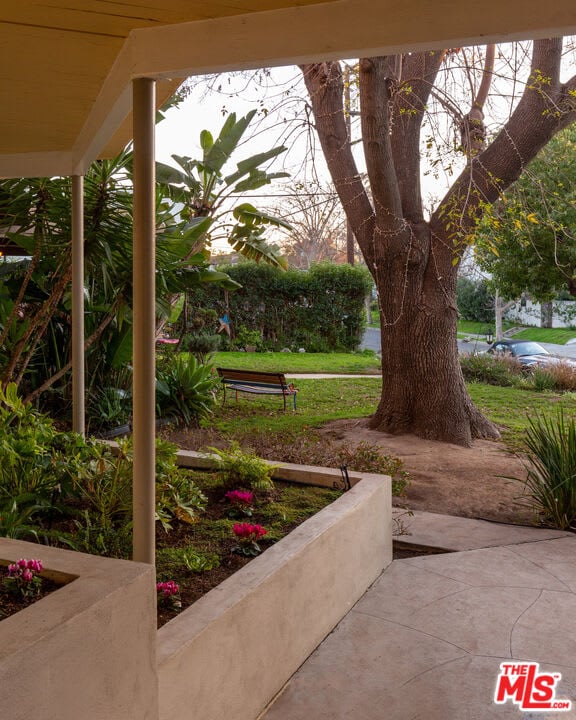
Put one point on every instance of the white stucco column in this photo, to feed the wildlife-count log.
(78, 364)
(144, 405)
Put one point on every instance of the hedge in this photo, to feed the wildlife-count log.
(320, 310)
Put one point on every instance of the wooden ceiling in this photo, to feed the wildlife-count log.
(66, 66)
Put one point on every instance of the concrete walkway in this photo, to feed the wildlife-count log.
(427, 639)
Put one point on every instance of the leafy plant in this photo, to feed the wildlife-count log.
(23, 578)
(246, 338)
(199, 187)
(551, 473)
(248, 536)
(542, 379)
(485, 368)
(370, 459)
(39, 465)
(243, 469)
(95, 536)
(108, 407)
(240, 502)
(185, 388)
(199, 562)
(169, 594)
(202, 345)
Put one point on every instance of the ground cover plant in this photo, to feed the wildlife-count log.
(198, 556)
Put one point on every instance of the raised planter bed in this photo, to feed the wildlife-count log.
(234, 649)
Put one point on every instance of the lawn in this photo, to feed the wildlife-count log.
(260, 421)
(348, 363)
(559, 336)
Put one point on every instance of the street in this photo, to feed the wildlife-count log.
(371, 341)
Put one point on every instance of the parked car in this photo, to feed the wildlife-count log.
(528, 353)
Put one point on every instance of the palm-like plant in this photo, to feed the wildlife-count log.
(200, 189)
(35, 304)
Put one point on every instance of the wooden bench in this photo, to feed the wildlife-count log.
(257, 383)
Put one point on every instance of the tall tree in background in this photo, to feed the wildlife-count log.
(528, 240)
(413, 259)
(318, 225)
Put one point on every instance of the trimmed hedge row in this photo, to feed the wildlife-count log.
(321, 310)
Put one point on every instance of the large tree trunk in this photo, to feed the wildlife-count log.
(423, 390)
(413, 261)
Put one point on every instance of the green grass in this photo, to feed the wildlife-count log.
(347, 363)
(320, 401)
(470, 327)
(510, 408)
(559, 336)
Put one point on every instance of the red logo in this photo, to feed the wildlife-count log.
(527, 687)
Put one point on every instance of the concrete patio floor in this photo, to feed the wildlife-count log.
(427, 639)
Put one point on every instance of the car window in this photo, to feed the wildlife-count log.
(528, 348)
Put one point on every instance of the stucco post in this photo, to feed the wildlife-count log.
(144, 109)
(78, 380)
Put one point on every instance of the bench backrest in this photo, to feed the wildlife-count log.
(252, 376)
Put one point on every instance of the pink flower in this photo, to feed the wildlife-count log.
(22, 563)
(167, 588)
(27, 575)
(240, 497)
(248, 532)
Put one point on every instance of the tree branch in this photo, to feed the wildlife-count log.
(544, 109)
(419, 72)
(325, 87)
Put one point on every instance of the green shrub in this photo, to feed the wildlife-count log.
(475, 301)
(491, 370)
(243, 469)
(551, 473)
(108, 408)
(185, 389)
(249, 338)
(202, 345)
(370, 459)
(39, 466)
(542, 380)
(321, 310)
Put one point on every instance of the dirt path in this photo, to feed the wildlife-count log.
(447, 478)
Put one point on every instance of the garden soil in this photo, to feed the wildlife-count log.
(449, 479)
(444, 478)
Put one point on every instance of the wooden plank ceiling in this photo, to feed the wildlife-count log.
(66, 65)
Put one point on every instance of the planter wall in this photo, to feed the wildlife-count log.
(234, 649)
(88, 650)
